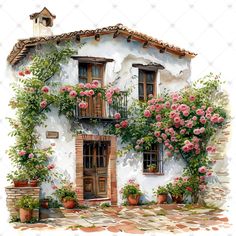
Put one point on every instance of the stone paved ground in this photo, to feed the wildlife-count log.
(137, 220)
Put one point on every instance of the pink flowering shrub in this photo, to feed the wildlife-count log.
(182, 121)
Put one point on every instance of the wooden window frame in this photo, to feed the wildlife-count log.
(145, 72)
(159, 161)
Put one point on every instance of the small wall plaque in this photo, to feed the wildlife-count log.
(52, 134)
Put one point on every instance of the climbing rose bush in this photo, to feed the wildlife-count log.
(183, 122)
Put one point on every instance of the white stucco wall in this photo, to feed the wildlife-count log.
(173, 77)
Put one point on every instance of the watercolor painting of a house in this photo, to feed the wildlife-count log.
(110, 132)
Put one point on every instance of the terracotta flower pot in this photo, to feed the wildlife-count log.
(33, 183)
(133, 199)
(69, 204)
(25, 215)
(152, 169)
(45, 203)
(20, 183)
(177, 199)
(161, 198)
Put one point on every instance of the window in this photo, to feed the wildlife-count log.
(154, 157)
(89, 72)
(146, 84)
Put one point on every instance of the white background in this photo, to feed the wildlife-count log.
(206, 27)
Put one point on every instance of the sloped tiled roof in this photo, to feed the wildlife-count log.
(22, 47)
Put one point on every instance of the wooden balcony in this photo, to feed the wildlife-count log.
(100, 110)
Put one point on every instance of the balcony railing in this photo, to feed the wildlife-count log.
(100, 109)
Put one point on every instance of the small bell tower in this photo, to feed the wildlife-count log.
(42, 23)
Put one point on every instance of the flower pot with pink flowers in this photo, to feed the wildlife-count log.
(131, 192)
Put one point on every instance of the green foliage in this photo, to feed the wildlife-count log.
(105, 204)
(27, 202)
(161, 190)
(30, 113)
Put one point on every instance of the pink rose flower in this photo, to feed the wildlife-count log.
(45, 89)
(221, 119)
(200, 112)
(174, 106)
(88, 86)
(81, 85)
(117, 126)
(159, 124)
(82, 93)
(31, 155)
(196, 131)
(209, 110)
(182, 131)
(185, 148)
(202, 130)
(147, 113)
(167, 104)
(158, 117)
(51, 166)
(194, 118)
(117, 116)
(185, 113)
(202, 169)
(208, 115)
(95, 82)
(91, 92)
(83, 105)
(191, 98)
(176, 119)
(73, 93)
(22, 152)
(43, 104)
(164, 136)
(108, 95)
(157, 133)
(214, 119)
(124, 123)
(202, 120)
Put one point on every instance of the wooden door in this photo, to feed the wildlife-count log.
(95, 160)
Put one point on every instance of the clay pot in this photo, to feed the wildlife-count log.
(45, 203)
(152, 169)
(161, 198)
(177, 199)
(133, 199)
(25, 215)
(33, 183)
(20, 183)
(69, 204)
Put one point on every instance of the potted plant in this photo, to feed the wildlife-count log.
(161, 193)
(152, 168)
(131, 192)
(177, 190)
(27, 204)
(19, 178)
(67, 195)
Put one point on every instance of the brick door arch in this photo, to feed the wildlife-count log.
(111, 168)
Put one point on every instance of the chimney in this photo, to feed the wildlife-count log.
(42, 23)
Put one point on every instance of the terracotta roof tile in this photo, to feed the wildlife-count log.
(22, 47)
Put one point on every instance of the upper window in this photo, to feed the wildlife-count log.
(89, 72)
(153, 159)
(147, 84)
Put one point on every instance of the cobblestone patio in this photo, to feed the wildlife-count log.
(137, 220)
